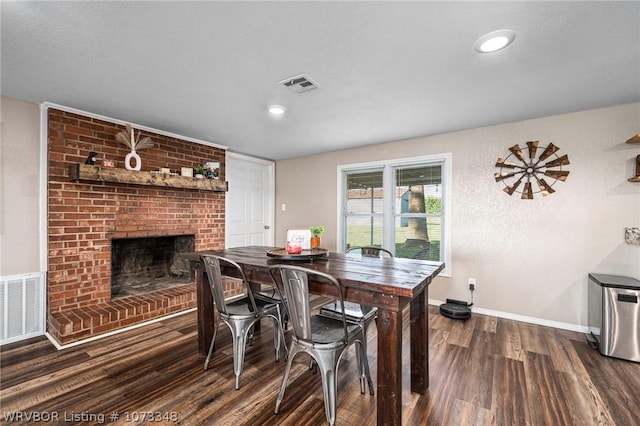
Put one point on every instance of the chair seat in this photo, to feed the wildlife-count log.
(242, 307)
(354, 312)
(330, 332)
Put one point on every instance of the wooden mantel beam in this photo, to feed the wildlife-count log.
(78, 172)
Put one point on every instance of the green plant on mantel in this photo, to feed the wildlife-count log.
(199, 170)
(317, 230)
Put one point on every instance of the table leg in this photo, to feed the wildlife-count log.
(419, 323)
(389, 395)
(205, 312)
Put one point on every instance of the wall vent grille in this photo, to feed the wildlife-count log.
(21, 307)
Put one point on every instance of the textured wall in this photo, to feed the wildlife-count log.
(529, 257)
(19, 187)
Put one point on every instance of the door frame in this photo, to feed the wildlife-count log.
(269, 188)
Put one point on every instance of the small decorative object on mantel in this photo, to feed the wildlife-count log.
(129, 139)
(632, 236)
(186, 171)
(317, 231)
(199, 171)
(528, 169)
(91, 158)
(212, 170)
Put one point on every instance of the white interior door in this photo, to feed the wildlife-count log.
(249, 201)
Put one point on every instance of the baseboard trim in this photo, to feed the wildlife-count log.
(506, 315)
(523, 318)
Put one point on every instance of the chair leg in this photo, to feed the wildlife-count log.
(282, 314)
(364, 364)
(239, 333)
(360, 360)
(250, 336)
(363, 367)
(361, 371)
(328, 370)
(213, 341)
(281, 335)
(285, 378)
(277, 333)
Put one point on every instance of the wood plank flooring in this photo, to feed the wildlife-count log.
(485, 371)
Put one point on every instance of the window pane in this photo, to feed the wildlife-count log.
(418, 203)
(413, 248)
(363, 231)
(420, 175)
(364, 192)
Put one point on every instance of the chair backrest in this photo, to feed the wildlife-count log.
(370, 251)
(295, 280)
(214, 265)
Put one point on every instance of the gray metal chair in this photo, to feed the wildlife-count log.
(370, 251)
(240, 315)
(355, 312)
(325, 339)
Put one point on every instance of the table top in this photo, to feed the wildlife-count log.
(391, 276)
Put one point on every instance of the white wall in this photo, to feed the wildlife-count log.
(19, 187)
(529, 257)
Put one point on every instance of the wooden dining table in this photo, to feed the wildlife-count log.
(390, 284)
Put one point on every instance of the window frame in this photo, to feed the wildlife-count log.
(389, 214)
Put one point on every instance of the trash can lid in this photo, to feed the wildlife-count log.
(617, 281)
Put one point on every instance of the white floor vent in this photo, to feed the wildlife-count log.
(21, 307)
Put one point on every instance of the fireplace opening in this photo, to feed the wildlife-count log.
(141, 265)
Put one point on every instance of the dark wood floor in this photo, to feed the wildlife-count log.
(485, 371)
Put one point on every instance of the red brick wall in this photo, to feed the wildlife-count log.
(83, 217)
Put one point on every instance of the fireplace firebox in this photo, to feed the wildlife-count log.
(142, 265)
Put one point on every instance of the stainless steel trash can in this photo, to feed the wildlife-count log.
(614, 315)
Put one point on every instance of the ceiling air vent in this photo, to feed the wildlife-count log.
(299, 84)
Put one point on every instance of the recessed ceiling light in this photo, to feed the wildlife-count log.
(276, 109)
(495, 41)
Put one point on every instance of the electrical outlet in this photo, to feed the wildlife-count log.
(472, 284)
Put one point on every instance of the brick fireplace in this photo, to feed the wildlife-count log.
(86, 217)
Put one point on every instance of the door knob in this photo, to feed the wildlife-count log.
(266, 227)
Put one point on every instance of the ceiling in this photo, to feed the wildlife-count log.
(385, 70)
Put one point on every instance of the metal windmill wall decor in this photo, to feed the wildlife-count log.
(519, 176)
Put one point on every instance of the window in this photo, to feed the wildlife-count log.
(401, 205)
(364, 211)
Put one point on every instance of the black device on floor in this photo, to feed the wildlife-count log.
(455, 309)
